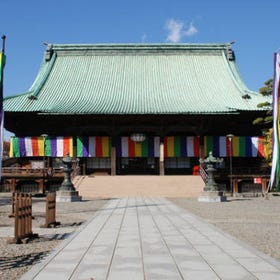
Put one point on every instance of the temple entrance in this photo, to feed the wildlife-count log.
(137, 166)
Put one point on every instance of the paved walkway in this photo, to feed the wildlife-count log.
(152, 238)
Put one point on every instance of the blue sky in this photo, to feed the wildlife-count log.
(253, 25)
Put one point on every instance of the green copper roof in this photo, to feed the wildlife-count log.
(136, 79)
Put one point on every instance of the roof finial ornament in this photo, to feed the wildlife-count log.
(229, 52)
(49, 51)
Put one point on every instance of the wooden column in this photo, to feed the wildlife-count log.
(264, 184)
(74, 147)
(41, 185)
(113, 159)
(161, 157)
(13, 184)
(235, 186)
(201, 147)
(83, 168)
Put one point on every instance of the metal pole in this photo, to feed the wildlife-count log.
(230, 159)
(230, 137)
(44, 161)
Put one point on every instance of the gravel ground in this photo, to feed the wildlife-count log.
(16, 259)
(256, 221)
(253, 220)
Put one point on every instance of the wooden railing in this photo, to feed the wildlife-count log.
(238, 174)
(32, 179)
(203, 173)
(36, 172)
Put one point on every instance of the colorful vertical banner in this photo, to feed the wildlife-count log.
(26, 146)
(38, 146)
(181, 146)
(2, 64)
(125, 147)
(239, 146)
(94, 146)
(59, 146)
(274, 176)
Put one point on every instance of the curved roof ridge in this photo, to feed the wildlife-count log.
(42, 77)
(236, 76)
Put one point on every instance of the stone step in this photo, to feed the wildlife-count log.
(131, 186)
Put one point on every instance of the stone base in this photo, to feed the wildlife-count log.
(212, 196)
(68, 196)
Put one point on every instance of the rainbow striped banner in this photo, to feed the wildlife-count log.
(125, 147)
(26, 146)
(2, 64)
(94, 146)
(181, 146)
(59, 146)
(34, 146)
(240, 146)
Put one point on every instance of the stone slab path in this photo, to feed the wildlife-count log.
(152, 238)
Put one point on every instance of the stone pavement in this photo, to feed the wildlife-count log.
(152, 238)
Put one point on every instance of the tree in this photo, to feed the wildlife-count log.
(6, 148)
(266, 121)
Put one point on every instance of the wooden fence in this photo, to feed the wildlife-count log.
(22, 211)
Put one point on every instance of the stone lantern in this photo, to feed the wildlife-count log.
(67, 169)
(67, 192)
(211, 192)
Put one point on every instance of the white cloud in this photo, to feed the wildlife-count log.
(177, 32)
(144, 38)
(191, 30)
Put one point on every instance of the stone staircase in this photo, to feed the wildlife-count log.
(131, 186)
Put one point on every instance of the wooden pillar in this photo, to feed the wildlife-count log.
(201, 147)
(264, 185)
(41, 185)
(113, 159)
(235, 186)
(13, 185)
(74, 147)
(84, 168)
(161, 157)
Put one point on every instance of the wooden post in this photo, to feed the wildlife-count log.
(50, 211)
(25, 220)
(14, 197)
(29, 214)
(16, 228)
(19, 218)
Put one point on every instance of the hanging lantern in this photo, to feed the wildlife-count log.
(138, 137)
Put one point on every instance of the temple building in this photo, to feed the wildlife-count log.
(137, 109)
